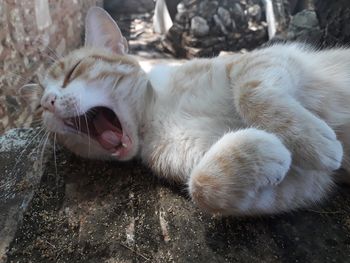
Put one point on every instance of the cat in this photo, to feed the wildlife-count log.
(249, 134)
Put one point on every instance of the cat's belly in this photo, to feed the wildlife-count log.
(174, 145)
(194, 107)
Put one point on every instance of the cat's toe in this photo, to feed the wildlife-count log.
(329, 149)
(208, 193)
(319, 149)
(276, 161)
(332, 155)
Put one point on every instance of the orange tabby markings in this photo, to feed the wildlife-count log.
(249, 133)
(204, 186)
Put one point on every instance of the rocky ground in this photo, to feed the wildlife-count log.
(91, 211)
(56, 207)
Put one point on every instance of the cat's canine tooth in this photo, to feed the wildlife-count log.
(124, 145)
(116, 154)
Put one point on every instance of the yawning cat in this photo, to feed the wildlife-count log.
(253, 133)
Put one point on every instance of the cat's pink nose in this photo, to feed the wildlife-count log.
(48, 102)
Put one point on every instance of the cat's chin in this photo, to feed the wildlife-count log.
(82, 145)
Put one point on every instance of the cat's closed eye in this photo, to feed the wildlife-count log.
(69, 75)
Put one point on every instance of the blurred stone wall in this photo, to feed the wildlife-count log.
(32, 33)
(334, 17)
(203, 28)
(129, 6)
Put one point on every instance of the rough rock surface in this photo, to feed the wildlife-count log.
(117, 7)
(334, 17)
(92, 211)
(32, 33)
(20, 176)
(304, 26)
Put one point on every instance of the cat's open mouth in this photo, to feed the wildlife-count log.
(102, 125)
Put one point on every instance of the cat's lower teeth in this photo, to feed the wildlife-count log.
(116, 154)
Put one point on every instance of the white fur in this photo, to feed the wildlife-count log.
(246, 139)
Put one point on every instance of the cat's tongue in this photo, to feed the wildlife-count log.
(108, 140)
(109, 136)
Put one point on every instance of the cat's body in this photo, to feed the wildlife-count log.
(194, 109)
(248, 133)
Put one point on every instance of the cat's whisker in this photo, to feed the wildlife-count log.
(44, 43)
(87, 127)
(43, 150)
(30, 142)
(42, 139)
(54, 52)
(115, 83)
(53, 60)
(40, 77)
(91, 113)
(19, 80)
(88, 132)
(77, 114)
(21, 154)
(54, 150)
(25, 149)
(50, 55)
(37, 121)
(37, 148)
(75, 119)
(28, 85)
(19, 77)
(55, 160)
(36, 124)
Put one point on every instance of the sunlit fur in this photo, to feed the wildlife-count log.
(249, 134)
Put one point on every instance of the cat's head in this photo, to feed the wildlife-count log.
(92, 96)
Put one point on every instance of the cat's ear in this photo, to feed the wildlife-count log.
(102, 31)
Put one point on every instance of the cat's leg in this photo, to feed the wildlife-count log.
(268, 105)
(244, 173)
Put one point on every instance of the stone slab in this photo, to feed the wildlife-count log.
(93, 211)
(20, 175)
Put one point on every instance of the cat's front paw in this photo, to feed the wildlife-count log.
(332, 151)
(240, 163)
(322, 150)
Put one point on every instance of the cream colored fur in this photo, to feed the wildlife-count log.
(252, 133)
